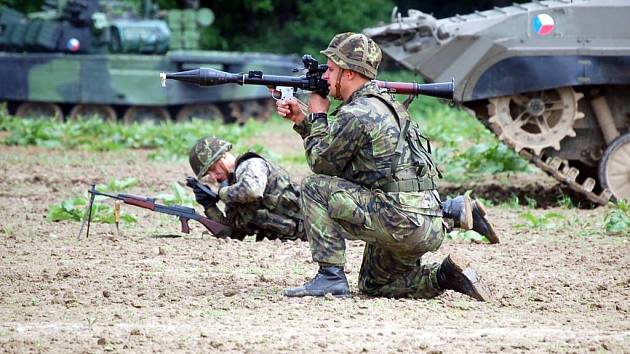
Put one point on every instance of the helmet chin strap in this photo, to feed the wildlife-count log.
(338, 85)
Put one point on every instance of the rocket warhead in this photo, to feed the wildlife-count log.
(204, 77)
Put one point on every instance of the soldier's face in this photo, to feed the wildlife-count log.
(332, 76)
(218, 171)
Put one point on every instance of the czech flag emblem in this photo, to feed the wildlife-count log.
(543, 24)
(73, 44)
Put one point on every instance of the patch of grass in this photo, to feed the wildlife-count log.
(180, 196)
(548, 220)
(531, 202)
(617, 220)
(565, 202)
(480, 159)
(117, 186)
(90, 322)
(75, 209)
(172, 141)
(512, 203)
(8, 230)
(486, 202)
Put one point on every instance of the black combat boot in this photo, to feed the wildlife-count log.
(460, 210)
(456, 274)
(328, 280)
(481, 224)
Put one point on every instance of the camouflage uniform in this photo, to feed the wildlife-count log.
(260, 200)
(354, 195)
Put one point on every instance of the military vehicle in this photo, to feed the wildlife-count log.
(550, 78)
(87, 57)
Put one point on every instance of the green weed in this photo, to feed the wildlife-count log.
(180, 196)
(76, 209)
(531, 202)
(617, 220)
(547, 220)
(486, 202)
(512, 203)
(90, 322)
(116, 186)
(565, 202)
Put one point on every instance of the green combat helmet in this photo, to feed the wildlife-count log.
(356, 52)
(205, 153)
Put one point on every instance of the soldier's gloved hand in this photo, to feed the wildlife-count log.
(203, 198)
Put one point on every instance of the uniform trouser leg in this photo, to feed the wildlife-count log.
(383, 274)
(335, 210)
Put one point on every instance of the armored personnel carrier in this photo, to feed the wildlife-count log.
(88, 57)
(550, 78)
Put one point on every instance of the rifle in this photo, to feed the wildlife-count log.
(311, 81)
(184, 213)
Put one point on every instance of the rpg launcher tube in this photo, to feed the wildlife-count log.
(437, 89)
(211, 77)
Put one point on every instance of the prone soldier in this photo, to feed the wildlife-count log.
(260, 198)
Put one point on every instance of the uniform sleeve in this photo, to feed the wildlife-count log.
(303, 128)
(251, 181)
(233, 230)
(329, 148)
(213, 212)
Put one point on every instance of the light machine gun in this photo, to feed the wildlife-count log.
(183, 213)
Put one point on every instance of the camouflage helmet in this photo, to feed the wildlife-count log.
(205, 153)
(356, 52)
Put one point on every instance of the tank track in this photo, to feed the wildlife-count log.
(561, 170)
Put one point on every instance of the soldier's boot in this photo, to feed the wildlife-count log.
(456, 274)
(459, 209)
(481, 224)
(328, 280)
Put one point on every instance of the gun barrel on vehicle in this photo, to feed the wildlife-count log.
(212, 77)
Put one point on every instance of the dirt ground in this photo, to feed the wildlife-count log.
(144, 290)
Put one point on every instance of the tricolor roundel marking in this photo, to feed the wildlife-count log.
(543, 24)
(73, 44)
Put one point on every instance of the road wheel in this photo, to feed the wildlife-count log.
(39, 110)
(103, 112)
(536, 120)
(200, 111)
(614, 167)
(145, 114)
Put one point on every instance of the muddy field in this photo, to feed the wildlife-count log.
(150, 290)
